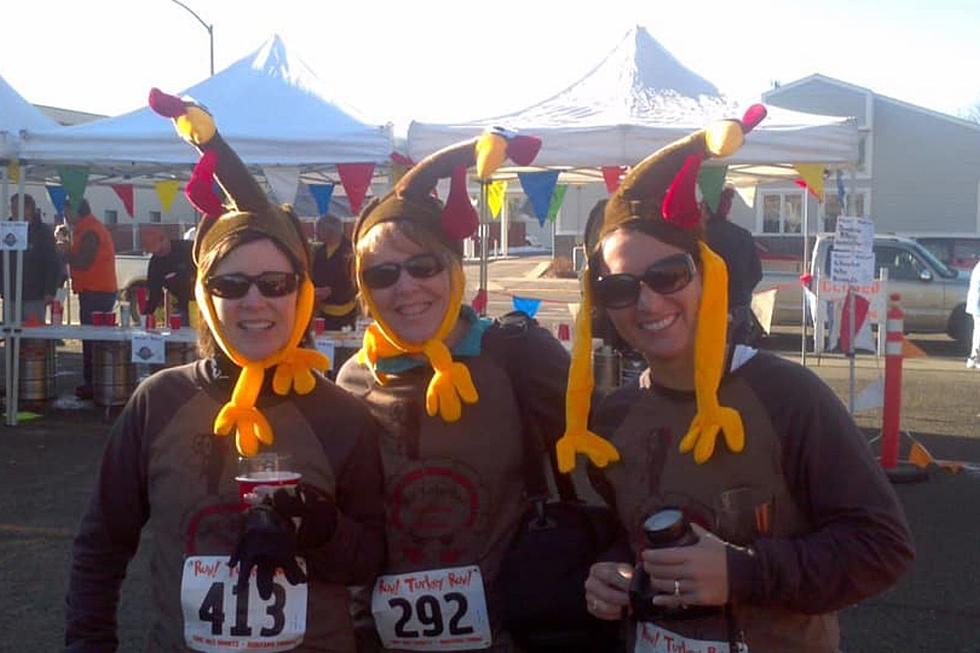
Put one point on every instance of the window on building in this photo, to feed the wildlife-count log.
(111, 217)
(156, 216)
(782, 213)
(831, 209)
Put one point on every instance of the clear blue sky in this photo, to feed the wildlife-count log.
(461, 59)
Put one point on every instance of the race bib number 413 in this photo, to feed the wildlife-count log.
(219, 618)
(432, 610)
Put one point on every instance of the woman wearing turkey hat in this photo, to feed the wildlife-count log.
(171, 464)
(456, 395)
(790, 517)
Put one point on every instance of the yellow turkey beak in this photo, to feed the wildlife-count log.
(196, 126)
(491, 152)
(724, 137)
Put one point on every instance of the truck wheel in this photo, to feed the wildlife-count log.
(960, 327)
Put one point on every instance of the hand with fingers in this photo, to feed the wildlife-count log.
(689, 575)
(607, 590)
(268, 542)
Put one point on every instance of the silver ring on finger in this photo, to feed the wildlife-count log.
(677, 587)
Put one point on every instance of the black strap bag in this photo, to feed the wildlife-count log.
(543, 573)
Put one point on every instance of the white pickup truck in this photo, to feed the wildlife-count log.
(933, 295)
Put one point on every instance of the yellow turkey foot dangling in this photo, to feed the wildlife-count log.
(296, 371)
(450, 383)
(704, 430)
(599, 450)
(252, 427)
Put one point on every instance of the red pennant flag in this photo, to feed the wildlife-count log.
(125, 193)
(612, 175)
(356, 179)
(860, 313)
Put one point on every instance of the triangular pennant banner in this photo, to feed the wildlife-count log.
(920, 456)
(526, 305)
(74, 179)
(321, 195)
(356, 179)
(611, 175)
(13, 171)
(58, 196)
(862, 328)
(125, 193)
(711, 179)
(812, 174)
(912, 350)
(167, 191)
(284, 181)
(556, 200)
(539, 186)
(871, 397)
(496, 192)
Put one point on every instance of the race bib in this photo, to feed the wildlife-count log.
(218, 618)
(432, 610)
(651, 638)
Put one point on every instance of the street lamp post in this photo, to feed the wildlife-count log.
(208, 27)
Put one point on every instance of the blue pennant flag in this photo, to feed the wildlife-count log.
(527, 305)
(322, 194)
(58, 194)
(539, 187)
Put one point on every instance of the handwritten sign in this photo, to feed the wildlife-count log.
(149, 348)
(13, 236)
(852, 259)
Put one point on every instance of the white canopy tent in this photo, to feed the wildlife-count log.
(638, 99)
(269, 105)
(17, 115)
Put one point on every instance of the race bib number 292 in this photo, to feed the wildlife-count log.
(432, 610)
(219, 618)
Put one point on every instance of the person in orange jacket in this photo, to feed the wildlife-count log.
(92, 262)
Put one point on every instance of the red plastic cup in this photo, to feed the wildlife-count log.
(259, 476)
(564, 332)
(109, 318)
(149, 321)
(98, 318)
(174, 322)
(319, 325)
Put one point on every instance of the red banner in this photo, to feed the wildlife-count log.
(356, 179)
(125, 193)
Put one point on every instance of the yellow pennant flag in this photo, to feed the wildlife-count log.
(167, 191)
(496, 192)
(919, 455)
(13, 171)
(812, 174)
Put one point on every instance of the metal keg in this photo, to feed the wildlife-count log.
(113, 375)
(38, 371)
(606, 367)
(179, 353)
(633, 365)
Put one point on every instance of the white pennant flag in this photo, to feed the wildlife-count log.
(871, 397)
(284, 181)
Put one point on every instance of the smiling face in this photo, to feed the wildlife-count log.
(661, 327)
(255, 326)
(411, 307)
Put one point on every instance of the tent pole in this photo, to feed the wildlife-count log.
(484, 237)
(13, 387)
(806, 263)
(8, 357)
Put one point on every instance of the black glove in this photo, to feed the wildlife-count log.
(315, 509)
(267, 542)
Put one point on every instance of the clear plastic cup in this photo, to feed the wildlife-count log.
(259, 476)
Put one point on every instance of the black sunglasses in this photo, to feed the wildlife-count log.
(381, 276)
(666, 276)
(235, 286)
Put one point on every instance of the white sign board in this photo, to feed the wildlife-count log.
(149, 348)
(326, 346)
(852, 260)
(13, 235)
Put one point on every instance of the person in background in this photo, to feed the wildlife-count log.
(973, 310)
(736, 247)
(62, 241)
(41, 264)
(92, 263)
(172, 267)
(791, 517)
(336, 294)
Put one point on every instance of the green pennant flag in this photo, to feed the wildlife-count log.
(711, 179)
(556, 199)
(74, 179)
